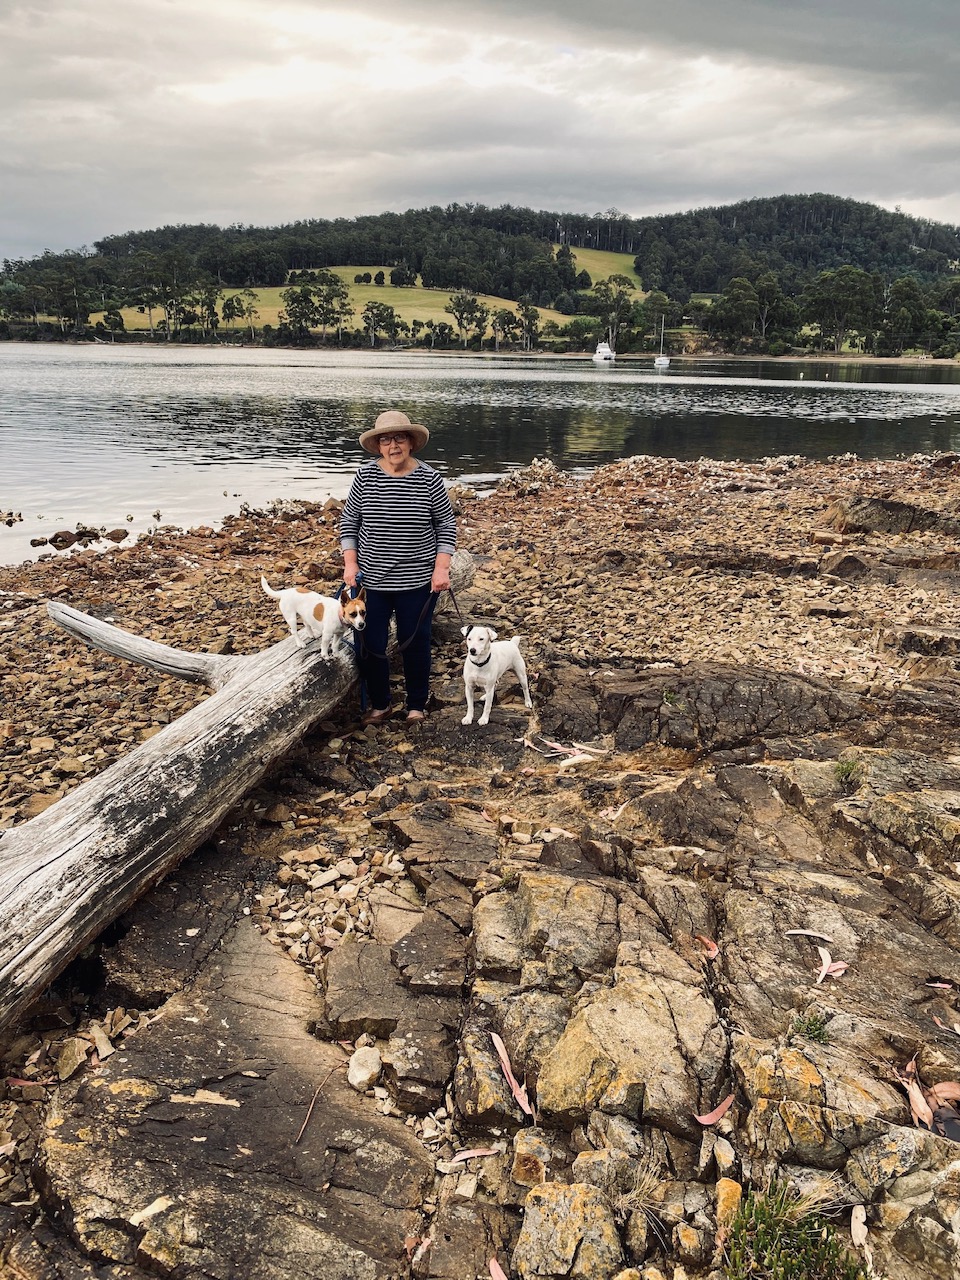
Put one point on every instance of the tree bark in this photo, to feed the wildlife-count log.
(68, 873)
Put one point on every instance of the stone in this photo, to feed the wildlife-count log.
(72, 1056)
(568, 1231)
(432, 956)
(729, 1196)
(644, 1048)
(534, 1155)
(363, 1070)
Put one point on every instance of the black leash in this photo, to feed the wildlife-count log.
(359, 644)
(428, 606)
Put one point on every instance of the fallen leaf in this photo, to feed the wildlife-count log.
(422, 1250)
(709, 946)
(839, 966)
(518, 1090)
(919, 1107)
(496, 1271)
(572, 762)
(945, 1091)
(611, 814)
(940, 986)
(858, 1225)
(943, 1026)
(157, 1206)
(825, 962)
(474, 1154)
(806, 933)
(717, 1113)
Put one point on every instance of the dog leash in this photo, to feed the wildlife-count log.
(359, 644)
(429, 605)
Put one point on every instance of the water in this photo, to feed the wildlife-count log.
(95, 434)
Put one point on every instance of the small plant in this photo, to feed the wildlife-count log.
(640, 1197)
(647, 1177)
(812, 1026)
(849, 774)
(781, 1234)
(670, 697)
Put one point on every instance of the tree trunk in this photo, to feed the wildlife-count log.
(68, 873)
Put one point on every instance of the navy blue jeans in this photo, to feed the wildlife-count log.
(413, 620)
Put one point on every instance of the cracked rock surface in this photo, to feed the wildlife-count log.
(718, 862)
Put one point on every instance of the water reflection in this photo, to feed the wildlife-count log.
(95, 435)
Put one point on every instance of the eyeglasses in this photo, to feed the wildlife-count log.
(401, 437)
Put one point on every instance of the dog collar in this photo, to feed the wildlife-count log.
(483, 663)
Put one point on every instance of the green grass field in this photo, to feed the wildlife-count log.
(602, 265)
(415, 303)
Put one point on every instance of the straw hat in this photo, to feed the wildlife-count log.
(389, 422)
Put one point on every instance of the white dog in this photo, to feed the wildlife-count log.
(324, 617)
(487, 660)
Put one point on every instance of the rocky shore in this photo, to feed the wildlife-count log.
(553, 995)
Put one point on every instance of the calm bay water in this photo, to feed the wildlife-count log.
(97, 434)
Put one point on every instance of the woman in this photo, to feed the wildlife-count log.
(398, 530)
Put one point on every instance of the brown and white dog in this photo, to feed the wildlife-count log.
(324, 618)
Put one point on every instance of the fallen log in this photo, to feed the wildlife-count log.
(68, 873)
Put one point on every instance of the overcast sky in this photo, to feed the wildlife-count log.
(128, 114)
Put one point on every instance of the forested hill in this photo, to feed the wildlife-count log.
(502, 251)
(794, 236)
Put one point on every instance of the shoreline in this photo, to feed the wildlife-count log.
(828, 357)
(670, 526)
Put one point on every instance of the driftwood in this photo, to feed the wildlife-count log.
(68, 873)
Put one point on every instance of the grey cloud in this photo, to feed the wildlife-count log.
(103, 127)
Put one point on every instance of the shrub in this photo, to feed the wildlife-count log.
(778, 1234)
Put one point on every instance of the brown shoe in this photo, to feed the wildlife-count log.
(377, 717)
(416, 717)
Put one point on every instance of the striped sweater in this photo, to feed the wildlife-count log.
(397, 525)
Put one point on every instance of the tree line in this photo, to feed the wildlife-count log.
(763, 275)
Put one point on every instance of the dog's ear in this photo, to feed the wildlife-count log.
(345, 597)
(362, 595)
(491, 633)
(465, 631)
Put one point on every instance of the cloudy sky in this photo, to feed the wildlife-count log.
(123, 114)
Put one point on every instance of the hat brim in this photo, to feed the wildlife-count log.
(418, 435)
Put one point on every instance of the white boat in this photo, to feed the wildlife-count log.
(604, 353)
(661, 361)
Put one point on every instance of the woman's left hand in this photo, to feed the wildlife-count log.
(441, 574)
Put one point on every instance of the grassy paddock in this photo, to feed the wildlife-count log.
(602, 264)
(415, 303)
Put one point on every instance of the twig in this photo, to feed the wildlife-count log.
(313, 1100)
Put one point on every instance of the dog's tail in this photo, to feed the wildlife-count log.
(268, 589)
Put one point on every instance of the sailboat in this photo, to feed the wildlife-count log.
(661, 361)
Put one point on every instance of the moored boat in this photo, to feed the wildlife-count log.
(604, 353)
(661, 361)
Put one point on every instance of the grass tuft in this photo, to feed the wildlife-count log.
(811, 1026)
(781, 1234)
(849, 774)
